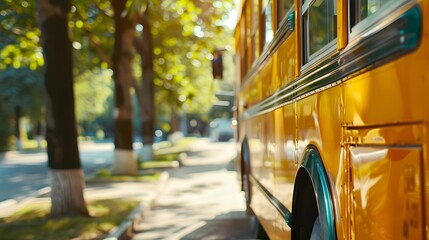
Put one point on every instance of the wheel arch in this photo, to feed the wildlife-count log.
(312, 186)
(245, 157)
(245, 172)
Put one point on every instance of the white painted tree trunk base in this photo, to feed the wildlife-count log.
(67, 188)
(18, 144)
(125, 163)
(146, 153)
(39, 142)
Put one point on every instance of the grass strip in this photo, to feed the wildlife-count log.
(105, 174)
(33, 221)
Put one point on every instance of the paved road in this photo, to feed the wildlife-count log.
(200, 201)
(24, 174)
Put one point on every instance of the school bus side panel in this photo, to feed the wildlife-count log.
(285, 62)
(285, 165)
(423, 63)
(282, 133)
(261, 171)
(319, 119)
(385, 116)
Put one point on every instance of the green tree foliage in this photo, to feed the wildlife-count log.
(21, 62)
(19, 46)
(185, 34)
(92, 104)
(26, 94)
(21, 88)
(92, 28)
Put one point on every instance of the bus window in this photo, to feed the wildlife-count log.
(319, 26)
(370, 10)
(283, 8)
(368, 7)
(267, 25)
(243, 49)
(248, 53)
(255, 32)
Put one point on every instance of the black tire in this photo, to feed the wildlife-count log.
(312, 218)
(245, 176)
(305, 211)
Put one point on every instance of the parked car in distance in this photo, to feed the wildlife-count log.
(220, 129)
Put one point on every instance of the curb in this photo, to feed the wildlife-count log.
(125, 229)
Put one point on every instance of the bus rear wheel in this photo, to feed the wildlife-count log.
(305, 213)
(245, 176)
(312, 217)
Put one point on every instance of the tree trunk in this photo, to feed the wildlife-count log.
(125, 161)
(146, 93)
(67, 182)
(18, 128)
(39, 135)
(174, 120)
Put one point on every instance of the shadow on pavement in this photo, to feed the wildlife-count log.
(210, 167)
(232, 225)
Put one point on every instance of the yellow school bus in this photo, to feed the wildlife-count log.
(333, 112)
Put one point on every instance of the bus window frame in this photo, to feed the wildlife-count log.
(242, 46)
(248, 35)
(263, 34)
(255, 33)
(328, 49)
(283, 21)
(381, 17)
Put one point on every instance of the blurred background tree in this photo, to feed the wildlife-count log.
(93, 94)
(21, 62)
(185, 33)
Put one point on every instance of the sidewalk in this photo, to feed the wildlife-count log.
(146, 193)
(201, 200)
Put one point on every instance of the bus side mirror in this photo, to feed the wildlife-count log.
(217, 65)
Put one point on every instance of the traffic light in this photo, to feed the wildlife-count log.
(217, 65)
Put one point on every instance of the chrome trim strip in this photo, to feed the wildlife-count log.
(281, 209)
